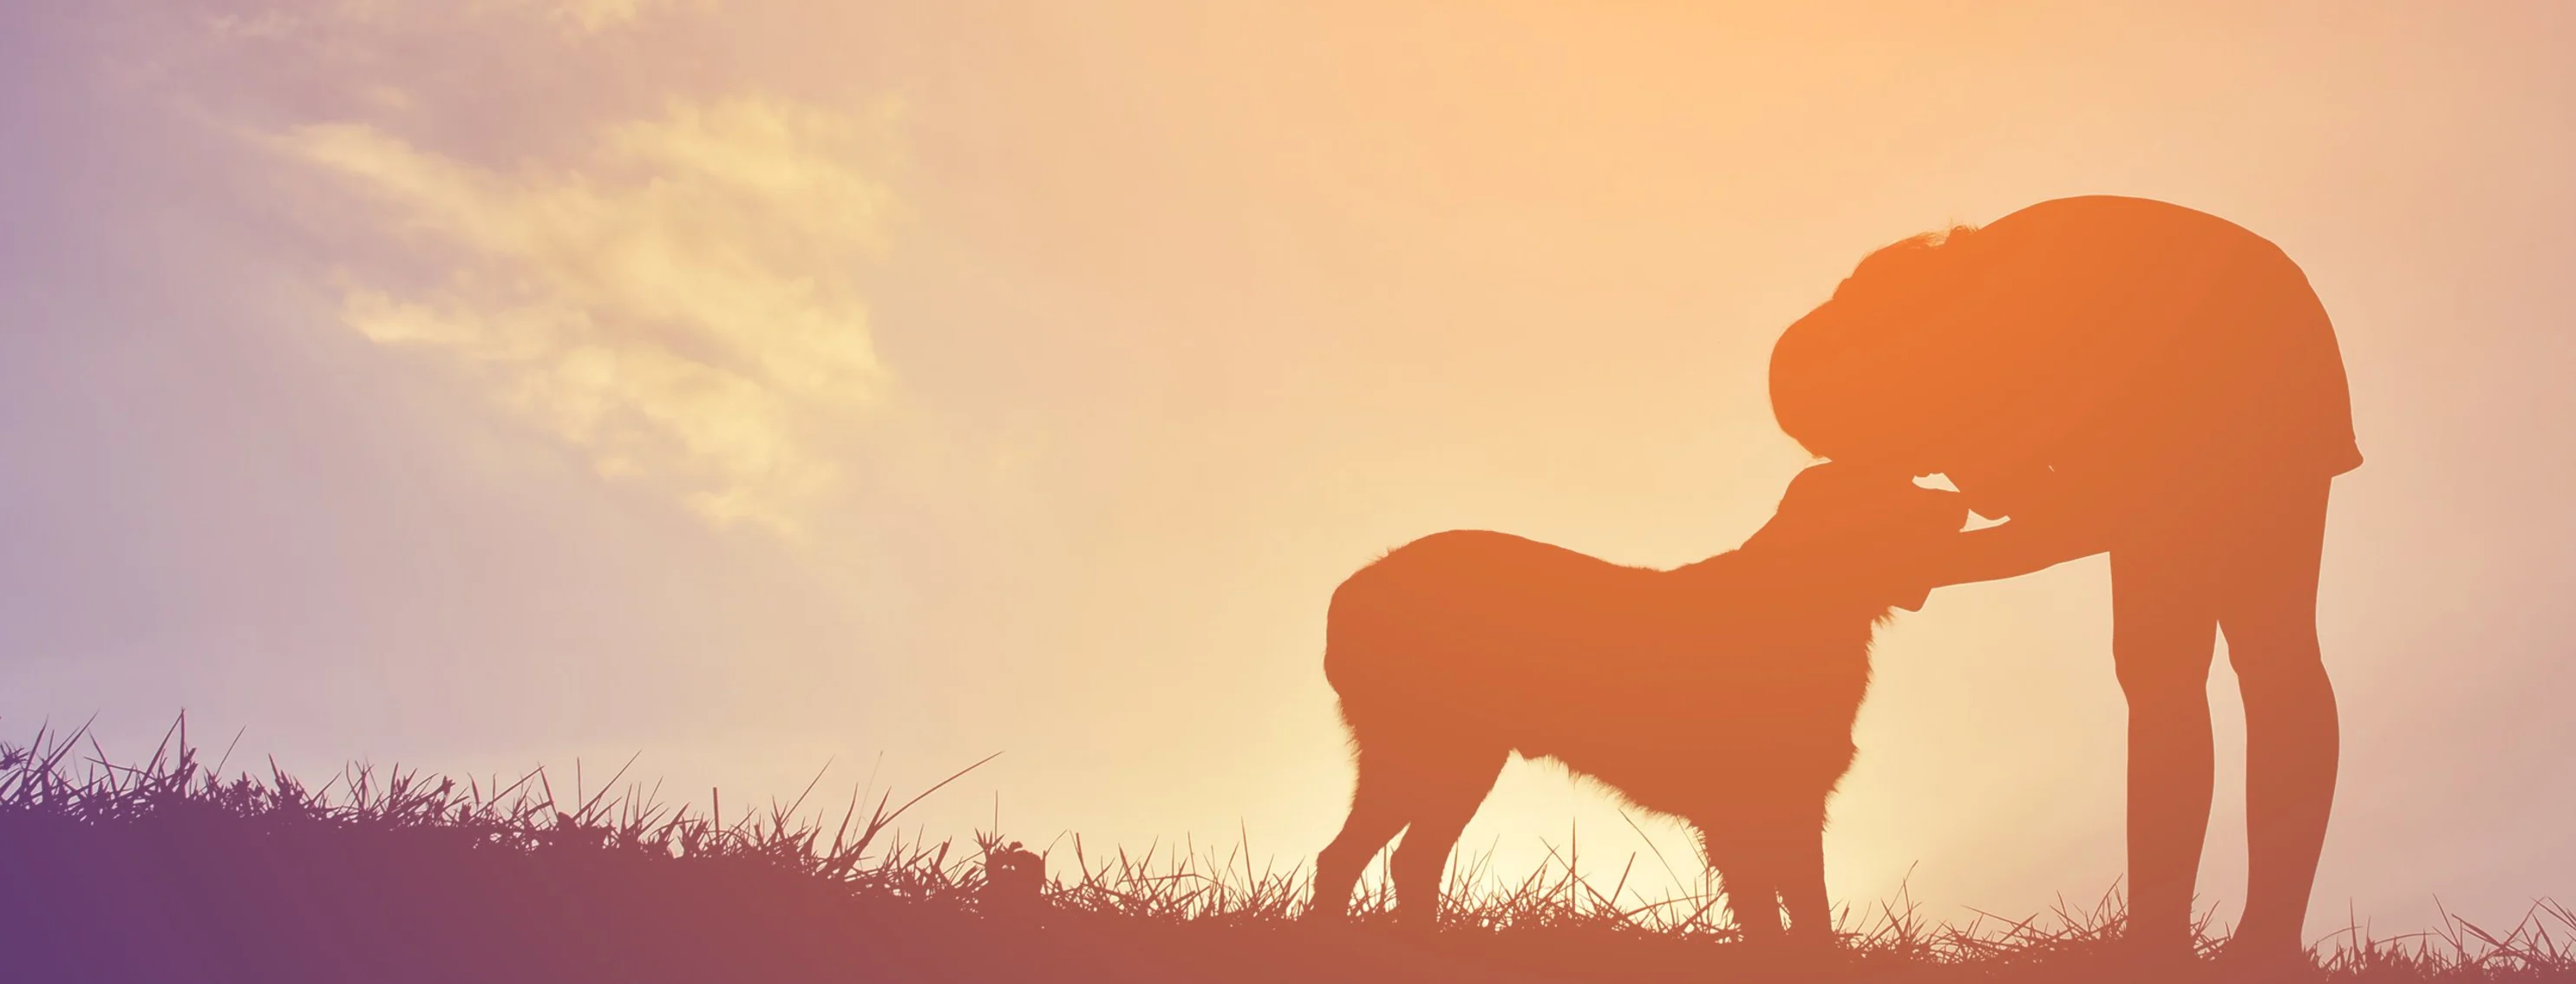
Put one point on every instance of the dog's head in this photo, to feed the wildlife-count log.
(1874, 533)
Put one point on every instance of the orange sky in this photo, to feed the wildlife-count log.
(756, 384)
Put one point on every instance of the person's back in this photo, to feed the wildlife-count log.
(2123, 343)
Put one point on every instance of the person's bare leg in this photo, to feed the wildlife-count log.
(2292, 731)
(2163, 632)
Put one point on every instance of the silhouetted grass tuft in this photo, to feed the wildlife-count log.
(167, 871)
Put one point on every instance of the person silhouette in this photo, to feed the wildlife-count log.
(2120, 374)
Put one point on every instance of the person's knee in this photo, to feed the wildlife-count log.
(2162, 658)
(2277, 664)
(2164, 680)
(2167, 704)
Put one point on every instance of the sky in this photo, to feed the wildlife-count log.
(771, 387)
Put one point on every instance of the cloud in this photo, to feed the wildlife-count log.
(679, 305)
(577, 16)
(598, 15)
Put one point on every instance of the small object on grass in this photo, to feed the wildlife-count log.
(1013, 878)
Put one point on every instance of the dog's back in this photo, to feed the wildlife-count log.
(1472, 635)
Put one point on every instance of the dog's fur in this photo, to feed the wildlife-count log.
(1722, 692)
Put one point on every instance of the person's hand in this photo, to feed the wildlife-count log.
(1997, 491)
(2046, 532)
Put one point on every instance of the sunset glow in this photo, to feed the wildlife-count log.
(765, 384)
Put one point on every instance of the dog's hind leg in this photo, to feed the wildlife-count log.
(1380, 806)
(1452, 783)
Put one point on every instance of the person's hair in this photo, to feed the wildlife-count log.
(1853, 377)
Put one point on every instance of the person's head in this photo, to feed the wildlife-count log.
(1862, 378)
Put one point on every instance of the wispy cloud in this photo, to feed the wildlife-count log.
(578, 16)
(600, 15)
(679, 304)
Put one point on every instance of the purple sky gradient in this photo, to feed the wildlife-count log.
(1184, 315)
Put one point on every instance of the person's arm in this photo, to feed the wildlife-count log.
(2048, 524)
(2018, 546)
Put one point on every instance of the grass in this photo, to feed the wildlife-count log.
(168, 871)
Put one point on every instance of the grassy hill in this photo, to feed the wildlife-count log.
(164, 871)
